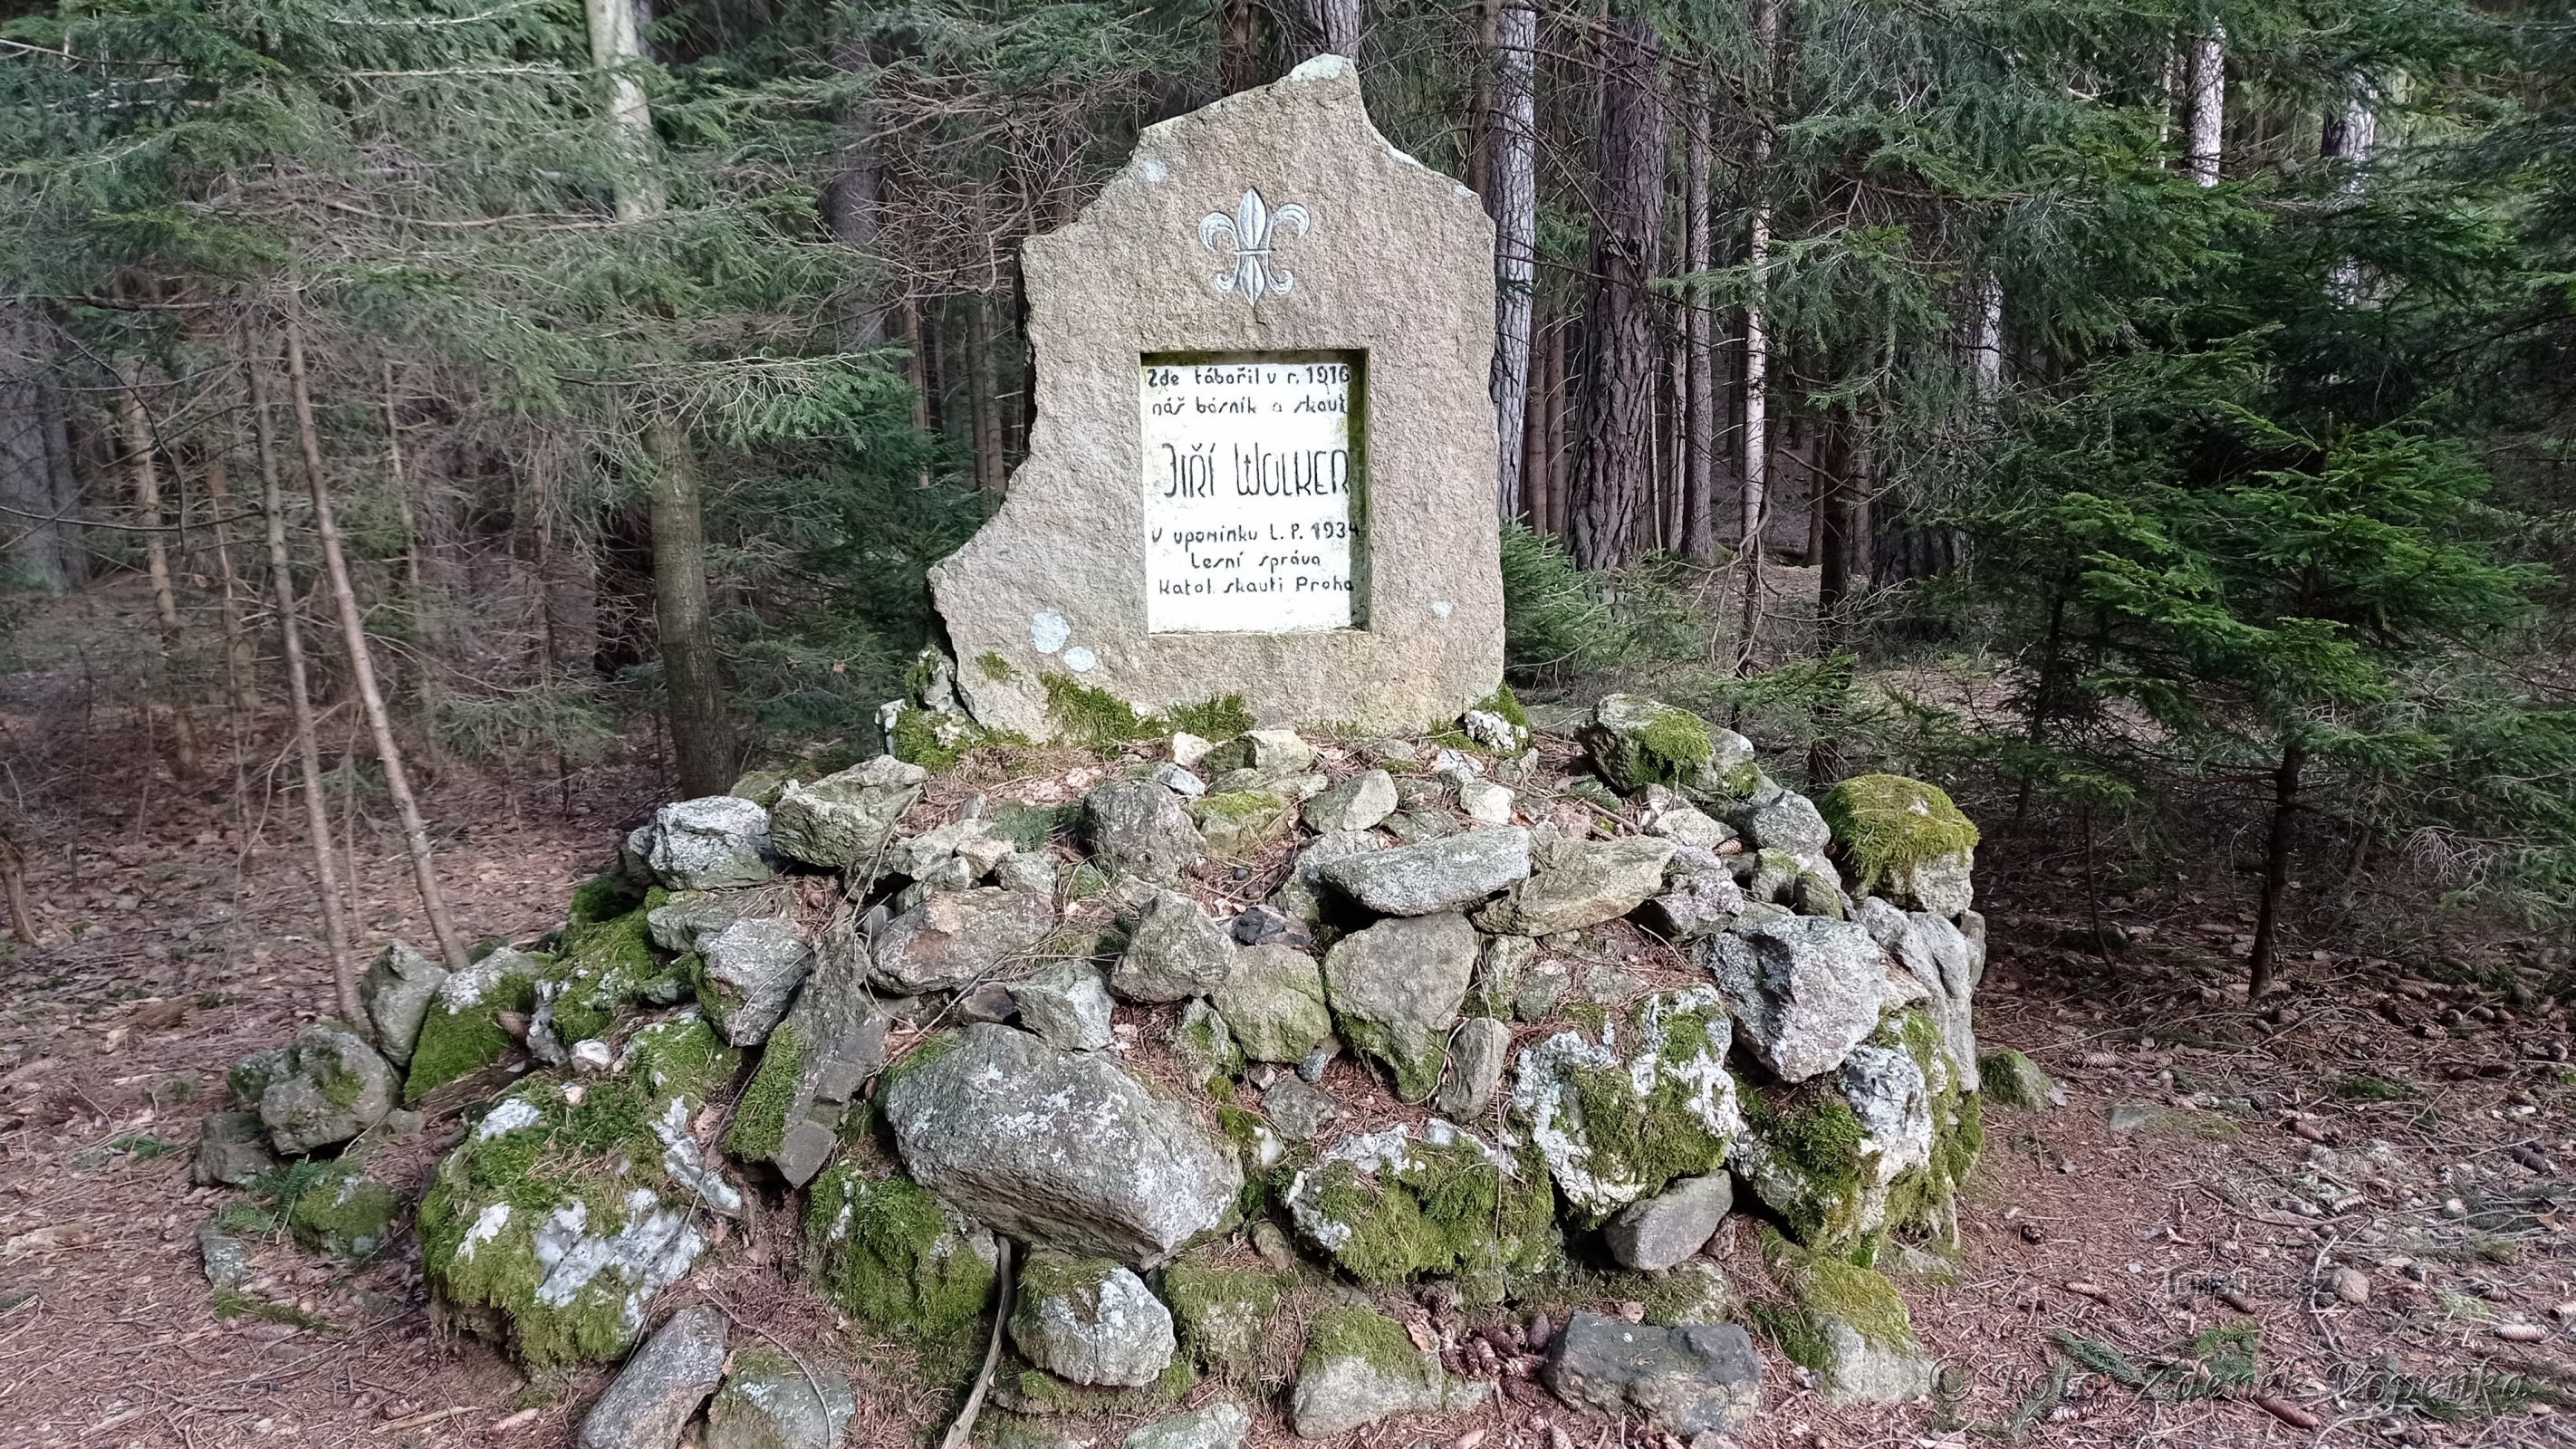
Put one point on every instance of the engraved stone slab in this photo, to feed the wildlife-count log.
(1263, 460)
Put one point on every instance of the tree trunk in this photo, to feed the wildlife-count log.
(1614, 470)
(362, 664)
(1238, 45)
(1699, 346)
(241, 661)
(983, 406)
(2208, 82)
(1560, 427)
(1333, 28)
(614, 50)
(854, 203)
(2350, 135)
(701, 736)
(2276, 861)
(39, 548)
(1513, 201)
(424, 622)
(1757, 342)
(308, 750)
(1986, 337)
(135, 427)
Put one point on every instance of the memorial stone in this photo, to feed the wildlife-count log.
(1263, 459)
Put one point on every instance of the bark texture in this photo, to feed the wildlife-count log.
(1512, 201)
(1614, 471)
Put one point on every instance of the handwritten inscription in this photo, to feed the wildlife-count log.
(1248, 478)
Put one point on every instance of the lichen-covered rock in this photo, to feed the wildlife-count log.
(1057, 1148)
(1222, 1314)
(1298, 1111)
(1174, 953)
(2008, 1077)
(463, 1030)
(1849, 1325)
(1360, 1367)
(344, 1213)
(831, 1041)
(950, 939)
(224, 1258)
(771, 1401)
(843, 820)
(1358, 802)
(1790, 823)
(1671, 814)
(1477, 1059)
(396, 992)
(1391, 1205)
(1431, 876)
(1396, 988)
(1267, 752)
(748, 973)
(1656, 1233)
(1303, 895)
(1090, 1321)
(1273, 999)
(1805, 989)
(1579, 883)
(701, 844)
(1700, 896)
(608, 968)
(232, 1148)
(1067, 1004)
(1220, 1425)
(1946, 964)
(1903, 837)
(334, 1087)
(1635, 742)
(658, 1391)
(1702, 1378)
(1651, 1101)
(1884, 1142)
(678, 921)
(1203, 1045)
(893, 1256)
(559, 1217)
(1235, 822)
(1139, 827)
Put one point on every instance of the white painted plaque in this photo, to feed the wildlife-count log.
(1249, 479)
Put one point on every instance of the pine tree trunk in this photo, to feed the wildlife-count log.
(1238, 46)
(1986, 336)
(241, 661)
(38, 547)
(424, 621)
(1513, 201)
(1560, 427)
(2350, 135)
(692, 681)
(362, 664)
(854, 202)
(308, 750)
(1757, 342)
(984, 408)
(135, 429)
(1333, 28)
(615, 51)
(2276, 861)
(1614, 468)
(2208, 82)
(1699, 347)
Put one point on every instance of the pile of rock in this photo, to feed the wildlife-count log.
(1576, 1004)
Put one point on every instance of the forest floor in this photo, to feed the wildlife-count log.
(2375, 1172)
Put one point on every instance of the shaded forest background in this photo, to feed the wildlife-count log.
(2153, 418)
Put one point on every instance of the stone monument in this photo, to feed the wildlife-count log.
(1263, 458)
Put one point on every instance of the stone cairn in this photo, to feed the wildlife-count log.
(1474, 1029)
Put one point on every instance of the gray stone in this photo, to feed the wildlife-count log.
(1359, 1367)
(1302, 895)
(2125, 1118)
(1412, 827)
(1805, 989)
(1358, 802)
(1067, 1004)
(1477, 1057)
(715, 840)
(1434, 875)
(1942, 885)
(1948, 967)
(250, 1076)
(396, 992)
(1693, 1291)
(1891, 1101)
(752, 970)
(1268, 754)
(1699, 898)
(1090, 1321)
(1179, 779)
(226, 1261)
(2014, 1080)
(1672, 815)
(1669, 1053)
(1203, 1045)
(771, 1401)
(1237, 822)
(1658, 1232)
(1220, 1425)
(1397, 987)
(678, 924)
(835, 1035)
(953, 938)
(1544, 985)
(232, 1148)
(655, 1395)
(1702, 1378)
(1175, 952)
(1791, 823)
(1579, 883)
(1486, 802)
(1866, 1368)
(1635, 742)
(1028, 872)
(1059, 1149)
(1297, 1111)
(1310, 1067)
(1396, 263)
(1499, 973)
(334, 1087)
(1262, 925)
(842, 821)
(1139, 827)
(1494, 732)
(953, 856)
(1274, 1001)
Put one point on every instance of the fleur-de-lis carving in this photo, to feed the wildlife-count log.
(1250, 234)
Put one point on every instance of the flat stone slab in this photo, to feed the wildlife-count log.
(1699, 1378)
(1275, 226)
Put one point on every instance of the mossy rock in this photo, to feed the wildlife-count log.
(1621, 1117)
(1846, 1322)
(2013, 1079)
(1388, 1206)
(1836, 1185)
(608, 970)
(462, 1030)
(604, 897)
(344, 1212)
(759, 1123)
(1236, 823)
(1021, 1389)
(1223, 1316)
(887, 1252)
(1635, 742)
(1885, 826)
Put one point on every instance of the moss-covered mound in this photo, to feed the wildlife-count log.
(463, 1030)
(1650, 1101)
(1389, 1206)
(1886, 825)
(1222, 1316)
(607, 969)
(888, 1253)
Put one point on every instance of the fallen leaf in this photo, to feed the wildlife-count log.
(45, 1240)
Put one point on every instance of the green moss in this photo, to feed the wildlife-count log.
(995, 667)
(344, 1213)
(1036, 1391)
(1813, 1138)
(1507, 704)
(886, 1253)
(1221, 1314)
(1672, 746)
(1088, 715)
(1443, 1211)
(611, 966)
(1417, 1071)
(1353, 1332)
(1237, 822)
(937, 740)
(760, 1118)
(603, 897)
(1825, 1287)
(1221, 717)
(1027, 826)
(929, 1049)
(681, 1056)
(453, 1043)
(250, 1077)
(1653, 1141)
(1885, 825)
